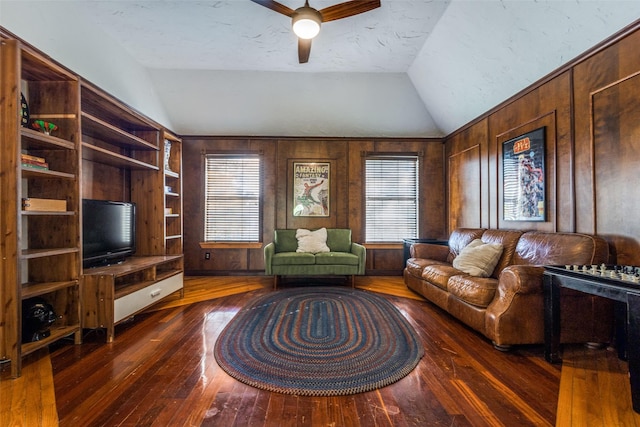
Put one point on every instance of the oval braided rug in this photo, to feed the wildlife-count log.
(319, 341)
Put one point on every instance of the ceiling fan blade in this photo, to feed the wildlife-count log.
(348, 8)
(304, 49)
(275, 6)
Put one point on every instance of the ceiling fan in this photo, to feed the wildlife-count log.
(306, 20)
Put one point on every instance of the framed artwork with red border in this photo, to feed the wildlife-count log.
(523, 172)
(311, 189)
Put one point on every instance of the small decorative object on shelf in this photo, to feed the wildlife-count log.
(46, 127)
(167, 154)
(24, 111)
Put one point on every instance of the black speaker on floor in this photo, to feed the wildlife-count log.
(37, 317)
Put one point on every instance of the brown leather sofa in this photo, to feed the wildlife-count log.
(508, 306)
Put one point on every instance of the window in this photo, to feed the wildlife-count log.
(232, 198)
(391, 198)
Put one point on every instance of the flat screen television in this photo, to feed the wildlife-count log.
(108, 232)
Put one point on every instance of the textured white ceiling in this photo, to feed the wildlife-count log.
(409, 68)
(242, 35)
(482, 52)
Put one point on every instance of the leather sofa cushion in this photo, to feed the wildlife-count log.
(538, 248)
(415, 266)
(293, 258)
(508, 239)
(478, 291)
(439, 274)
(337, 258)
(460, 238)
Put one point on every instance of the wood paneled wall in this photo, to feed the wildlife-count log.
(607, 134)
(103, 182)
(467, 182)
(590, 109)
(591, 112)
(346, 157)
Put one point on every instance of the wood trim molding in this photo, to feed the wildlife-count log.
(372, 246)
(231, 245)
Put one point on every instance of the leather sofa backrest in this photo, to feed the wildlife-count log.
(509, 240)
(540, 248)
(461, 237)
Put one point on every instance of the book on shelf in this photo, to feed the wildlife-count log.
(50, 205)
(30, 158)
(40, 166)
(35, 162)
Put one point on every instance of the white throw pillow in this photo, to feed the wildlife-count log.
(312, 241)
(478, 258)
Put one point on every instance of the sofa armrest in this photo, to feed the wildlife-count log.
(361, 252)
(521, 279)
(517, 310)
(269, 251)
(429, 251)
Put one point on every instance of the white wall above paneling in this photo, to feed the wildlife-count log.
(292, 104)
(483, 52)
(56, 28)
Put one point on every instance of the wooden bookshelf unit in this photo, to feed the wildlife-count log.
(103, 149)
(40, 249)
(115, 293)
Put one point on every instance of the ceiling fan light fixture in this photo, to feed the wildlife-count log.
(306, 22)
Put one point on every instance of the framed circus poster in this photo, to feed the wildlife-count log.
(524, 177)
(311, 189)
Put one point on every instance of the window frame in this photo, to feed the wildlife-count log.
(236, 242)
(417, 197)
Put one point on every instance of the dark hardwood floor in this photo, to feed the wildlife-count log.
(160, 370)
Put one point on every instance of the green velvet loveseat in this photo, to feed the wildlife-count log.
(344, 258)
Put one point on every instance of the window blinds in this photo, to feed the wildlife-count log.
(232, 198)
(391, 197)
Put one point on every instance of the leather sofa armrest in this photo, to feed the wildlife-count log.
(516, 312)
(521, 279)
(361, 252)
(269, 251)
(429, 251)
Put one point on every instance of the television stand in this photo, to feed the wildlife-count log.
(114, 293)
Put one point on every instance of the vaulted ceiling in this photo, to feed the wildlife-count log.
(408, 68)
